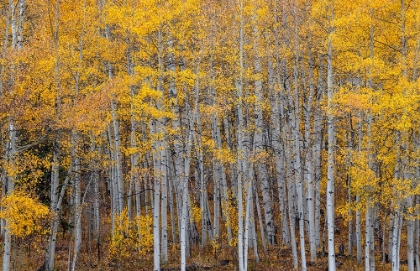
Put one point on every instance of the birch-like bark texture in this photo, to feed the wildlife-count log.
(316, 152)
(17, 19)
(156, 204)
(75, 154)
(157, 164)
(331, 156)
(350, 146)
(241, 152)
(295, 120)
(259, 140)
(55, 168)
(309, 173)
(370, 219)
(77, 203)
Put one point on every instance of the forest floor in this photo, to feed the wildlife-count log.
(26, 258)
(29, 255)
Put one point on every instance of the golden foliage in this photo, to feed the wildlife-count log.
(24, 215)
(131, 236)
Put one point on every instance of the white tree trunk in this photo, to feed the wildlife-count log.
(185, 200)
(369, 236)
(241, 152)
(77, 203)
(349, 191)
(278, 147)
(258, 139)
(296, 137)
(395, 259)
(171, 202)
(262, 232)
(17, 19)
(248, 186)
(254, 232)
(291, 198)
(416, 233)
(309, 163)
(156, 202)
(49, 263)
(158, 147)
(316, 152)
(331, 161)
(164, 199)
(410, 241)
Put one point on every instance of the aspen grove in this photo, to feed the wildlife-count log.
(210, 134)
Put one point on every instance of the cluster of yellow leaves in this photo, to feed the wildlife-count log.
(364, 179)
(222, 155)
(24, 215)
(195, 214)
(215, 243)
(232, 217)
(131, 236)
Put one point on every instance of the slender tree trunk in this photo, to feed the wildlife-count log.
(395, 259)
(54, 200)
(278, 147)
(16, 20)
(296, 138)
(253, 227)
(410, 238)
(158, 148)
(185, 200)
(369, 237)
(247, 233)
(156, 202)
(278, 140)
(416, 231)
(258, 138)
(77, 202)
(241, 153)
(96, 211)
(164, 201)
(331, 157)
(316, 152)
(55, 169)
(292, 204)
(261, 225)
(350, 149)
(171, 201)
(309, 162)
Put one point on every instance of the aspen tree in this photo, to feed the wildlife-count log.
(309, 161)
(17, 19)
(331, 149)
(49, 261)
(77, 189)
(241, 154)
(259, 131)
(278, 133)
(155, 129)
(296, 136)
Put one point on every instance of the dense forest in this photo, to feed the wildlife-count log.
(210, 134)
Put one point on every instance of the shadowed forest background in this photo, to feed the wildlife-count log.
(209, 134)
